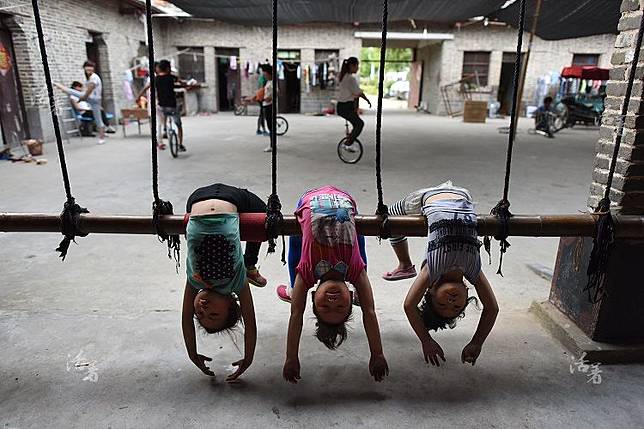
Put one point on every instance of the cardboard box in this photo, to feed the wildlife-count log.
(475, 111)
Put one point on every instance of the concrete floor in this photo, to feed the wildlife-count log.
(113, 306)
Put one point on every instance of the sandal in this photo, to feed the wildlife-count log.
(161, 146)
(400, 274)
(283, 294)
(254, 277)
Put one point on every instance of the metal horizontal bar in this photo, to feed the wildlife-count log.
(252, 225)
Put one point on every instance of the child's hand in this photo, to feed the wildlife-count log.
(291, 372)
(378, 367)
(243, 365)
(432, 351)
(470, 353)
(200, 362)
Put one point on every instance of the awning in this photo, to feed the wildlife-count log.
(585, 72)
(259, 12)
(559, 19)
(566, 19)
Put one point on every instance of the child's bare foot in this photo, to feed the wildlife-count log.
(400, 273)
(254, 277)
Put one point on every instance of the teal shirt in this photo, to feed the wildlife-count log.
(261, 81)
(215, 259)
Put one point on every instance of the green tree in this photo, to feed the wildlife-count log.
(401, 58)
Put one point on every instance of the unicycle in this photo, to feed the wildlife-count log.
(281, 125)
(349, 154)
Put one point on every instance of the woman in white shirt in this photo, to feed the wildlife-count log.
(93, 94)
(349, 93)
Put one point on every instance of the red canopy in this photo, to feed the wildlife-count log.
(585, 72)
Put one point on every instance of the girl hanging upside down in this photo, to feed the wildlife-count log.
(452, 255)
(329, 253)
(217, 294)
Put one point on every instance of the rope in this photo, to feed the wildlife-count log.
(70, 217)
(605, 227)
(274, 216)
(382, 210)
(159, 207)
(502, 208)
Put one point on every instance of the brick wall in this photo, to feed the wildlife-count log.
(255, 44)
(628, 184)
(431, 57)
(67, 25)
(546, 56)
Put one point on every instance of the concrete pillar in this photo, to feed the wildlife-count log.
(209, 95)
(618, 318)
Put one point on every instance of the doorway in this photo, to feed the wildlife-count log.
(506, 91)
(12, 122)
(228, 78)
(96, 52)
(288, 75)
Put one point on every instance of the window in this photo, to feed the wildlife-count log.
(191, 64)
(476, 66)
(290, 56)
(585, 59)
(327, 62)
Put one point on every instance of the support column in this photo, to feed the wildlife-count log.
(618, 320)
(210, 68)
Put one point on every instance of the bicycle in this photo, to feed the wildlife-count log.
(549, 123)
(242, 110)
(349, 154)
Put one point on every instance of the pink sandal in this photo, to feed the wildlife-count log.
(399, 274)
(283, 294)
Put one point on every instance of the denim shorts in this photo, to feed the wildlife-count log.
(171, 111)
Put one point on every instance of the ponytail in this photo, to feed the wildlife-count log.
(346, 63)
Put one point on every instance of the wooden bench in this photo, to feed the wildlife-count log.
(134, 115)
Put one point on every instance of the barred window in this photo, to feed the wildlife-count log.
(191, 64)
(476, 67)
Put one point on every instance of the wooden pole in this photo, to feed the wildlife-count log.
(252, 225)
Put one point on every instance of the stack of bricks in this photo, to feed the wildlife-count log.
(627, 193)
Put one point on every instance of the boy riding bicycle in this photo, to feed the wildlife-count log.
(165, 82)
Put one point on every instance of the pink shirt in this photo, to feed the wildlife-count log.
(329, 238)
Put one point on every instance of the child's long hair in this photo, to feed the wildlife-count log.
(433, 321)
(332, 336)
(351, 61)
(234, 316)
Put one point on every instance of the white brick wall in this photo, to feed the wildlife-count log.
(546, 56)
(66, 24)
(255, 44)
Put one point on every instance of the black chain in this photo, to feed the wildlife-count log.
(70, 217)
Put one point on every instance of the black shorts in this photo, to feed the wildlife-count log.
(244, 200)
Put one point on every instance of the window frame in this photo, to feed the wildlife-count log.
(475, 64)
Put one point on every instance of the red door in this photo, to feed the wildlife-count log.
(11, 117)
(415, 75)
